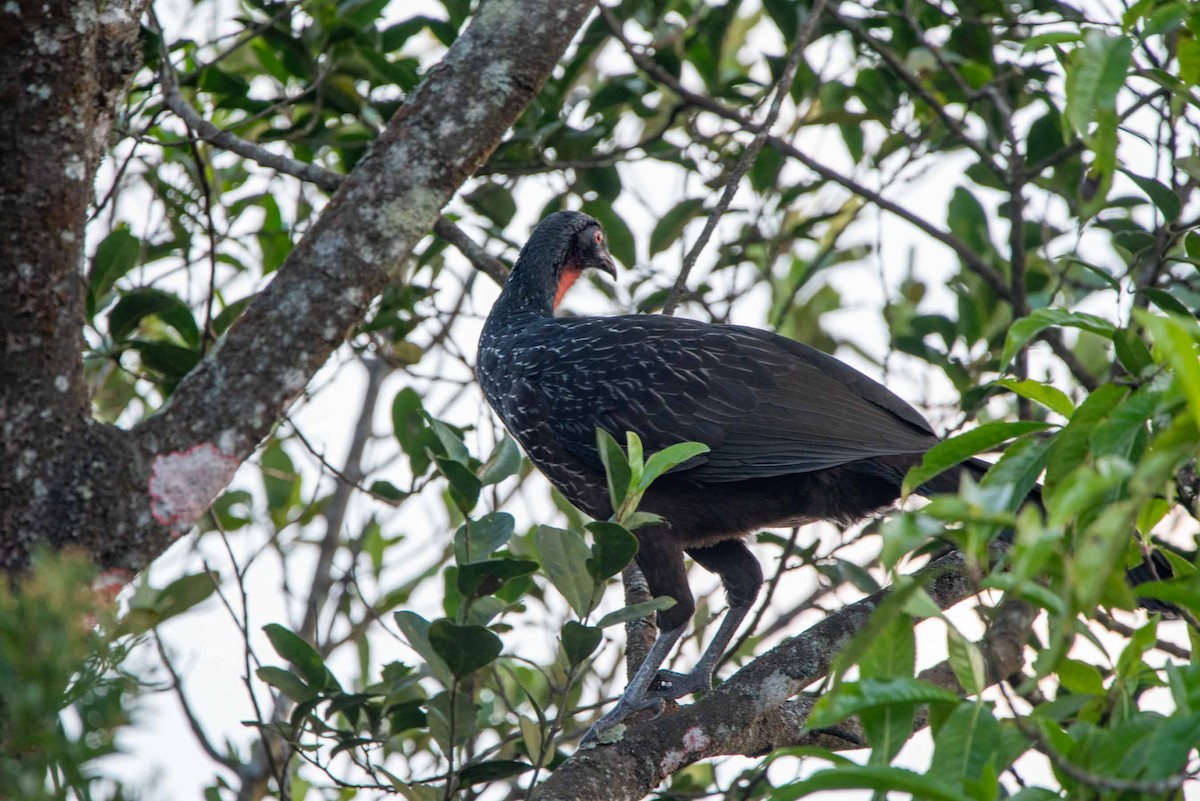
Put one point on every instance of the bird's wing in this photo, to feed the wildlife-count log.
(765, 405)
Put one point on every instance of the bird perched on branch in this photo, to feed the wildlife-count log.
(794, 435)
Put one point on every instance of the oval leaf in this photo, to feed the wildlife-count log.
(948, 453)
(464, 649)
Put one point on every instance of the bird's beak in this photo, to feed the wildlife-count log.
(607, 264)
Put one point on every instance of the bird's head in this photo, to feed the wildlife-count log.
(558, 251)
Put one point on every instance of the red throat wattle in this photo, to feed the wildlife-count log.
(569, 275)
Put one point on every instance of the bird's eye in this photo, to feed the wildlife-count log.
(599, 235)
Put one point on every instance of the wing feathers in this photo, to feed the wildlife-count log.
(765, 405)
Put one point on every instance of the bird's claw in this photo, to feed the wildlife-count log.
(606, 728)
(671, 685)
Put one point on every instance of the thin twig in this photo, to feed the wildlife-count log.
(781, 89)
(210, 228)
(193, 722)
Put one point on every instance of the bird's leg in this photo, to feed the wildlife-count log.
(661, 563)
(634, 699)
(742, 576)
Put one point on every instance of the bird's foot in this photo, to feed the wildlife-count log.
(671, 685)
(609, 729)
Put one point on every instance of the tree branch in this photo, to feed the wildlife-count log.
(718, 723)
(124, 496)
(64, 67)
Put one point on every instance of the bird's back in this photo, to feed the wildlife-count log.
(765, 405)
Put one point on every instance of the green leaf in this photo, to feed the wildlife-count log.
(968, 221)
(172, 361)
(115, 256)
(616, 467)
(416, 630)
(149, 607)
(1166, 301)
(950, 452)
(1051, 397)
(1095, 74)
(887, 728)
(138, 304)
(411, 431)
(892, 652)
(633, 452)
(890, 655)
(505, 461)
(1073, 443)
(476, 540)
(494, 202)
(1166, 19)
(851, 698)
(492, 770)
(229, 314)
(1133, 353)
(670, 226)
(1169, 745)
(287, 683)
(295, 650)
(450, 438)
(184, 593)
(488, 576)
(966, 661)
(280, 480)
(464, 718)
(387, 491)
(967, 740)
(1080, 678)
(1018, 469)
(533, 735)
(639, 519)
(1184, 594)
(614, 548)
(1099, 550)
(1035, 794)
(579, 641)
(880, 778)
(464, 486)
(635, 611)
(464, 649)
(1163, 198)
(1025, 329)
(565, 556)
(667, 460)
(1176, 338)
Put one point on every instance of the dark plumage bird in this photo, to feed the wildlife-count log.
(794, 434)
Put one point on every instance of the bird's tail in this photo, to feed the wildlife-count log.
(1154, 567)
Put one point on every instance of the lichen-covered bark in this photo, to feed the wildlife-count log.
(748, 714)
(63, 67)
(123, 496)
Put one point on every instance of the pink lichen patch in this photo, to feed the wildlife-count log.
(694, 739)
(184, 484)
(109, 584)
(672, 761)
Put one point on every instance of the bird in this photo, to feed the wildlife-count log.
(794, 435)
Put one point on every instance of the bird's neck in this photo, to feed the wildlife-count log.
(534, 291)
